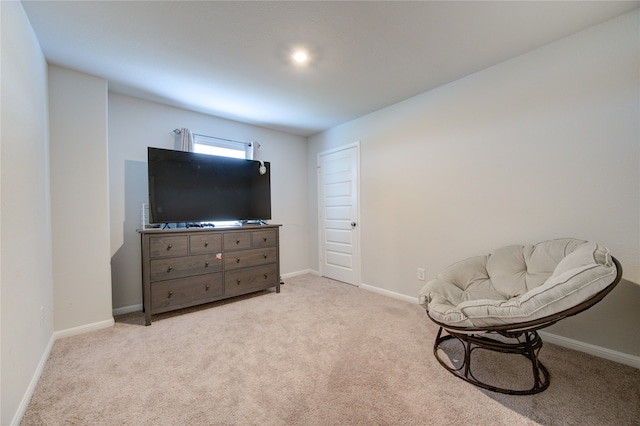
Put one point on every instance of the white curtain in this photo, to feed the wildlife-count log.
(186, 140)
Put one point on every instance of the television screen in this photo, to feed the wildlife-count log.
(190, 187)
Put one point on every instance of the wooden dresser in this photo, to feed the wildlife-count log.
(187, 267)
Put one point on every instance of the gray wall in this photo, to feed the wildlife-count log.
(26, 283)
(80, 199)
(55, 274)
(545, 145)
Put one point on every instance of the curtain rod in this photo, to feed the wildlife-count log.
(178, 131)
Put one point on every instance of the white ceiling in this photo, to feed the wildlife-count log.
(231, 59)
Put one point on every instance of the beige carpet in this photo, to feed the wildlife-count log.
(318, 353)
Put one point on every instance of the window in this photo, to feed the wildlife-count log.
(225, 148)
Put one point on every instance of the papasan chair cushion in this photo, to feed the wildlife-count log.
(518, 283)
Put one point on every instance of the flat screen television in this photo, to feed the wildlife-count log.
(185, 187)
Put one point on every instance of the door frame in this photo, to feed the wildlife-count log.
(358, 255)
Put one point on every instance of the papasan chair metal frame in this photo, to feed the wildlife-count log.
(516, 338)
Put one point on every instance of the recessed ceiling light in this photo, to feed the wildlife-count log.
(300, 57)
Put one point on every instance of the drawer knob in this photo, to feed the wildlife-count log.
(169, 247)
(265, 255)
(206, 243)
(265, 276)
(170, 294)
(206, 287)
(206, 264)
(237, 241)
(169, 268)
(238, 281)
(264, 239)
(237, 260)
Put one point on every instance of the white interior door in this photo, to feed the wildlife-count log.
(338, 172)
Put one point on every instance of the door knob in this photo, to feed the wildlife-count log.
(353, 224)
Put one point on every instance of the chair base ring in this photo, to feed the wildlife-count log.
(526, 343)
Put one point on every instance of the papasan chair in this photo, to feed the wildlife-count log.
(498, 301)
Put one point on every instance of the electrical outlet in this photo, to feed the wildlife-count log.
(421, 274)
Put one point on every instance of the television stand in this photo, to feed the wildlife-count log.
(184, 267)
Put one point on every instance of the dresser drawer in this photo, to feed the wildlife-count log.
(177, 267)
(205, 243)
(246, 258)
(250, 278)
(237, 240)
(168, 246)
(187, 267)
(172, 294)
(266, 238)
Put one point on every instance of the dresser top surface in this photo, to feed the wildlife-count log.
(251, 227)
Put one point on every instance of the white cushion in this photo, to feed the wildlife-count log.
(516, 284)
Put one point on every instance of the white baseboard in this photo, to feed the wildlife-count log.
(611, 355)
(24, 403)
(303, 272)
(83, 329)
(22, 408)
(389, 293)
(127, 309)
